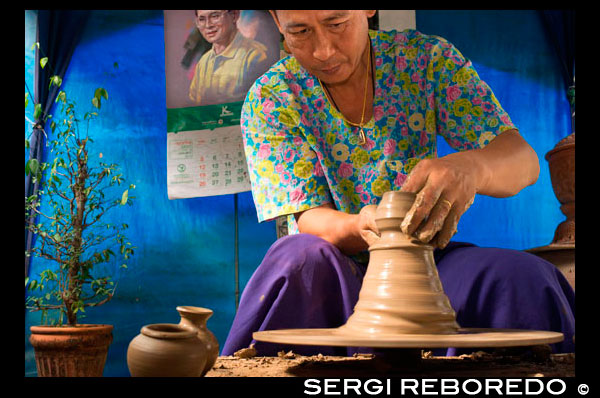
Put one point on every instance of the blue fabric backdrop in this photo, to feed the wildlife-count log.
(185, 252)
(512, 54)
(185, 248)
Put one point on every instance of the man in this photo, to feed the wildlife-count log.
(226, 71)
(353, 113)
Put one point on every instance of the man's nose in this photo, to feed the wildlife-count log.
(323, 48)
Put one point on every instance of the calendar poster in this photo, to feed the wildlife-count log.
(212, 57)
(208, 158)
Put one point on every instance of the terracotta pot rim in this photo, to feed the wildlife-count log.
(66, 329)
(168, 331)
(559, 149)
(194, 310)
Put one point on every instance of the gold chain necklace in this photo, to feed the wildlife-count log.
(362, 139)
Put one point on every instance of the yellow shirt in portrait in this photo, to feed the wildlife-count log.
(226, 77)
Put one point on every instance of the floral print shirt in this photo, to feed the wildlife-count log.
(302, 153)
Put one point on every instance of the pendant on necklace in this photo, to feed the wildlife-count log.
(362, 139)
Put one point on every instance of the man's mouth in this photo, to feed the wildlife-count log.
(331, 69)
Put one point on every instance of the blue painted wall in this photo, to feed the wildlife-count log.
(512, 54)
(185, 248)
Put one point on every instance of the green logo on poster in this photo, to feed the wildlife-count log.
(181, 168)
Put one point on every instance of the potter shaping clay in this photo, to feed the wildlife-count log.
(402, 303)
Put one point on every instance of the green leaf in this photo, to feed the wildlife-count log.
(124, 197)
(35, 45)
(32, 167)
(62, 96)
(43, 62)
(98, 94)
(26, 99)
(101, 92)
(56, 80)
(37, 111)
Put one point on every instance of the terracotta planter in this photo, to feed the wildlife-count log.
(71, 351)
(561, 162)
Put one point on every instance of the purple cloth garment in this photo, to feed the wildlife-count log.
(306, 282)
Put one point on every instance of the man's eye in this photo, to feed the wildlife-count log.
(299, 32)
(337, 26)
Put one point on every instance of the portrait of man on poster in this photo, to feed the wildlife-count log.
(226, 71)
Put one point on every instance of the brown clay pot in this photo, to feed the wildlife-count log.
(194, 318)
(166, 350)
(71, 351)
(561, 162)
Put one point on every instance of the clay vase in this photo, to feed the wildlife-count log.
(166, 350)
(561, 161)
(71, 351)
(401, 292)
(194, 318)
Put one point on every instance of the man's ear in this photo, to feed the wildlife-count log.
(370, 13)
(274, 15)
(235, 15)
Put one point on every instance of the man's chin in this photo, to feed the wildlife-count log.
(333, 76)
(331, 80)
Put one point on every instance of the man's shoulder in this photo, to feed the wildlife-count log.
(251, 45)
(284, 72)
(405, 38)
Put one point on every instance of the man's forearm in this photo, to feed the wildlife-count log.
(339, 228)
(508, 164)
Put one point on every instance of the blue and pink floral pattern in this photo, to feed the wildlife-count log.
(302, 153)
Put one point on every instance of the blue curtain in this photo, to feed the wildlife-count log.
(512, 52)
(58, 32)
(559, 26)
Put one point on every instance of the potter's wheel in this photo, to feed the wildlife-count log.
(465, 337)
(402, 303)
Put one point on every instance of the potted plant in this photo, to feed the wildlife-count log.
(75, 194)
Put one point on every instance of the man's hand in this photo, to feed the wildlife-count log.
(446, 186)
(367, 227)
(351, 233)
